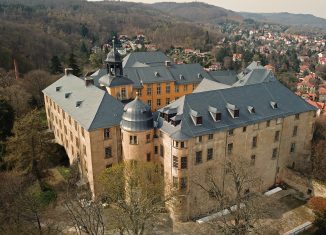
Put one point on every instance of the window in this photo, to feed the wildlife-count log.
(139, 92)
(133, 139)
(84, 149)
(295, 131)
(279, 121)
(108, 166)
(184, 163)
(199, 139)
(182, 144)
(71, 136)
(123, 92)
(148, 157)
(244, 129)
(210, 136)
(108, 152)
(230, 148)
(63, 115)
(158, 89)
(155, 149)
(175, 161)
(183, 183)
(209, 154)
(161, 150)
(149, 102)
(231, 132)
(185, 87)
(77, 142)
(274, 155)
(199, 120)
(69, 119)
(148, 138)
(149, 90)
(254, 142)
(256, 126)
(83, 132)
(106, 133)
(75, 125)
(175, 181)
(167, 88)
(292, 149)
(199, 157)
(277, 136)
(65, 130)
(268, 123)
(176, 88)
(252, 160)
(297, 116)
(167, 101)
(158, 102)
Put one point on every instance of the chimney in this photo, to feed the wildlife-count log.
(258, 63)
(89, 81)
(167, 63)
(68, 71)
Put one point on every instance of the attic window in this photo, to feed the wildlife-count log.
(78, 103)
(216, 115)
(274, 105)
(199, 76)
(181, 77)
(251, 109)
(233, 110)
(67, 95)
(168, 114)
(176, 120)
(196, 117)
(58, 88)
(157, 74)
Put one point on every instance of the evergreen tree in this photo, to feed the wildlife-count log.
(84, 31)
(73, 64)
(56, 67)
(83, 48)
(7, 116)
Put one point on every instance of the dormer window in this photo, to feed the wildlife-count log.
(233, 110)
(58, 88)
(274, 105)
(78, 103)
(67, 95)
(215, 114)
(251, 109)
(168, 114)
(196, 117)
(176, 120)
(157, 74)
(199, 76)
(181, 77)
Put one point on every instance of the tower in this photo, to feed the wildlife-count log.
(115, 83)
(137, 132)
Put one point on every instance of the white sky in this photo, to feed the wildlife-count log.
(315, 7)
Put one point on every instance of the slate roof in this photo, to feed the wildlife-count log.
(225, 77)
(154, 58)
(97, 108)
(178, 73)
(209, 85)
(257, 96)
(112, 81)
(254, 76)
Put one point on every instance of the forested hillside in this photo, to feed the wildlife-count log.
(199, 12)
(33, 31)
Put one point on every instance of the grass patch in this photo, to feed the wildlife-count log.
(43, 198)
(64, 171)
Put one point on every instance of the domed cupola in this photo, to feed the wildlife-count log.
(137, 116)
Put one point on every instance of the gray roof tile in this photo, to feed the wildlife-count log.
(97, 108)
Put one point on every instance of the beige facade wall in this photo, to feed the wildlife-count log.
(139, 150)
(194, 201)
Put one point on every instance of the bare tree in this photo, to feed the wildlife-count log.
(238, 209)
(84, 212)
(135, 194)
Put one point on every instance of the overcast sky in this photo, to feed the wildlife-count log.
(315, 7)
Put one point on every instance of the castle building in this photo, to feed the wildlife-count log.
(200, 119)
